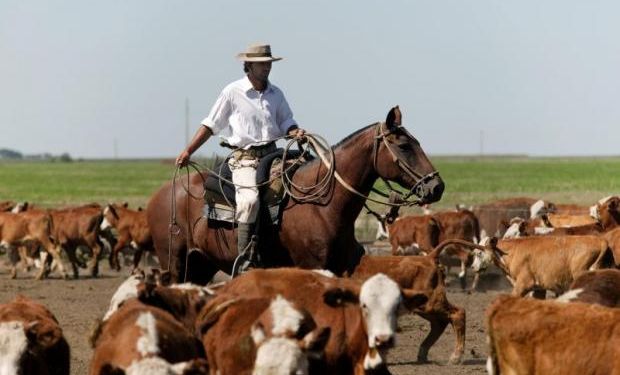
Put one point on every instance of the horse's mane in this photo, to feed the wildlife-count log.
(352, 135)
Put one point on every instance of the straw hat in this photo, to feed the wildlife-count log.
(257, 53)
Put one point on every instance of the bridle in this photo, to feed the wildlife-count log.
(420, 180)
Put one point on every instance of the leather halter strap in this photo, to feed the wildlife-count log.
(419, 179)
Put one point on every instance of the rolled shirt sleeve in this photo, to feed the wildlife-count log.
(217, 120)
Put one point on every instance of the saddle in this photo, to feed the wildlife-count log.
(220, 195)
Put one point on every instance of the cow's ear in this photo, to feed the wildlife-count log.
(493, 242)
(414, 298)
(258, 333)
(314, 342)
(110, 208)
(109, 369)
(125, 204)
(613, 204)
(140, 209)
(337, 297)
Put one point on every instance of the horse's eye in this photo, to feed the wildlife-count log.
(404, 146)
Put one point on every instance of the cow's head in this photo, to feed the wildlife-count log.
(607, 211)
(23, 346)
(110, 217)
(285, 338)
(379, 298)
(516, 229)
(540, 208)
(482, 259)
(159, 366)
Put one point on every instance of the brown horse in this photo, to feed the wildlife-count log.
(311, 235)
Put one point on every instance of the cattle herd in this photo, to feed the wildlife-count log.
(561, 317)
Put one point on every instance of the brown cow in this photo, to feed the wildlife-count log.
(528, 336)
(413, 234)
(31, 341)
(17, 229)
(260, 336)
(495, 216)
(79, 226)
(544, 263)
(132, 230)
(136, 334)
(601, 287)
(358, 329)
(460, 225)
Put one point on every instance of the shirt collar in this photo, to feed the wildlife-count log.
(246, 85)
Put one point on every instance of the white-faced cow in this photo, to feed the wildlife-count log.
(31, 340)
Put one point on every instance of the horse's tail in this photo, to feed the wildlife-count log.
(439, 248)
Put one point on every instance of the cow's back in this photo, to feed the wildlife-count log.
(529, 336)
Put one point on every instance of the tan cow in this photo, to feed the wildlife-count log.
(607, 212)
(362, 316)
(138, 335)
(79, 226)
(132, 230)
(570, 220)
(17, 229)
(268, 336)
(533, 337)
(544, 263)
(31, 340)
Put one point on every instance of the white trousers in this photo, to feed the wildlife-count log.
(244, 173)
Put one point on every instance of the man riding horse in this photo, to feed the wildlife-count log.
(248, 115)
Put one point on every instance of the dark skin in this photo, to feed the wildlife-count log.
(258, 74)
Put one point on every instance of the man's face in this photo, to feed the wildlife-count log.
(260, 70)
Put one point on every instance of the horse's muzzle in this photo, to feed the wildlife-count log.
(429, 189)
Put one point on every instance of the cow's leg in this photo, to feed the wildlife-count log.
(45, 260)
(13, 254)
(137, 256)
(474, 285)
(457, 320)
(55, 252)
(94, 262)
(439, 322)
(463, 275)
(75, 262)
(123, 241)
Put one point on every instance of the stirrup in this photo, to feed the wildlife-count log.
(247, 260)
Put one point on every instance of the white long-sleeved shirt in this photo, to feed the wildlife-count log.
(244, 117)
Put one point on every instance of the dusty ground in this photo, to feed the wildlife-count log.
(77, 303)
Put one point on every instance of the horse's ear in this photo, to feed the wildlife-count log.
(394, 117)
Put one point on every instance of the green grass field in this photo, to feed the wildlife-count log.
(468, 180)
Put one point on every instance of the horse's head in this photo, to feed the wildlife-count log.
(399, 157)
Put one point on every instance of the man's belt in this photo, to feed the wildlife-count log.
(255, 152)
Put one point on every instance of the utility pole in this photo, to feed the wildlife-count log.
(186, 121)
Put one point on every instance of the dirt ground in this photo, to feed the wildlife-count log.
(77, 303)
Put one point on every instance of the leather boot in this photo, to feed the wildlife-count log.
(246, 243)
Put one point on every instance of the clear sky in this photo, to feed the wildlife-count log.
(531, 76)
